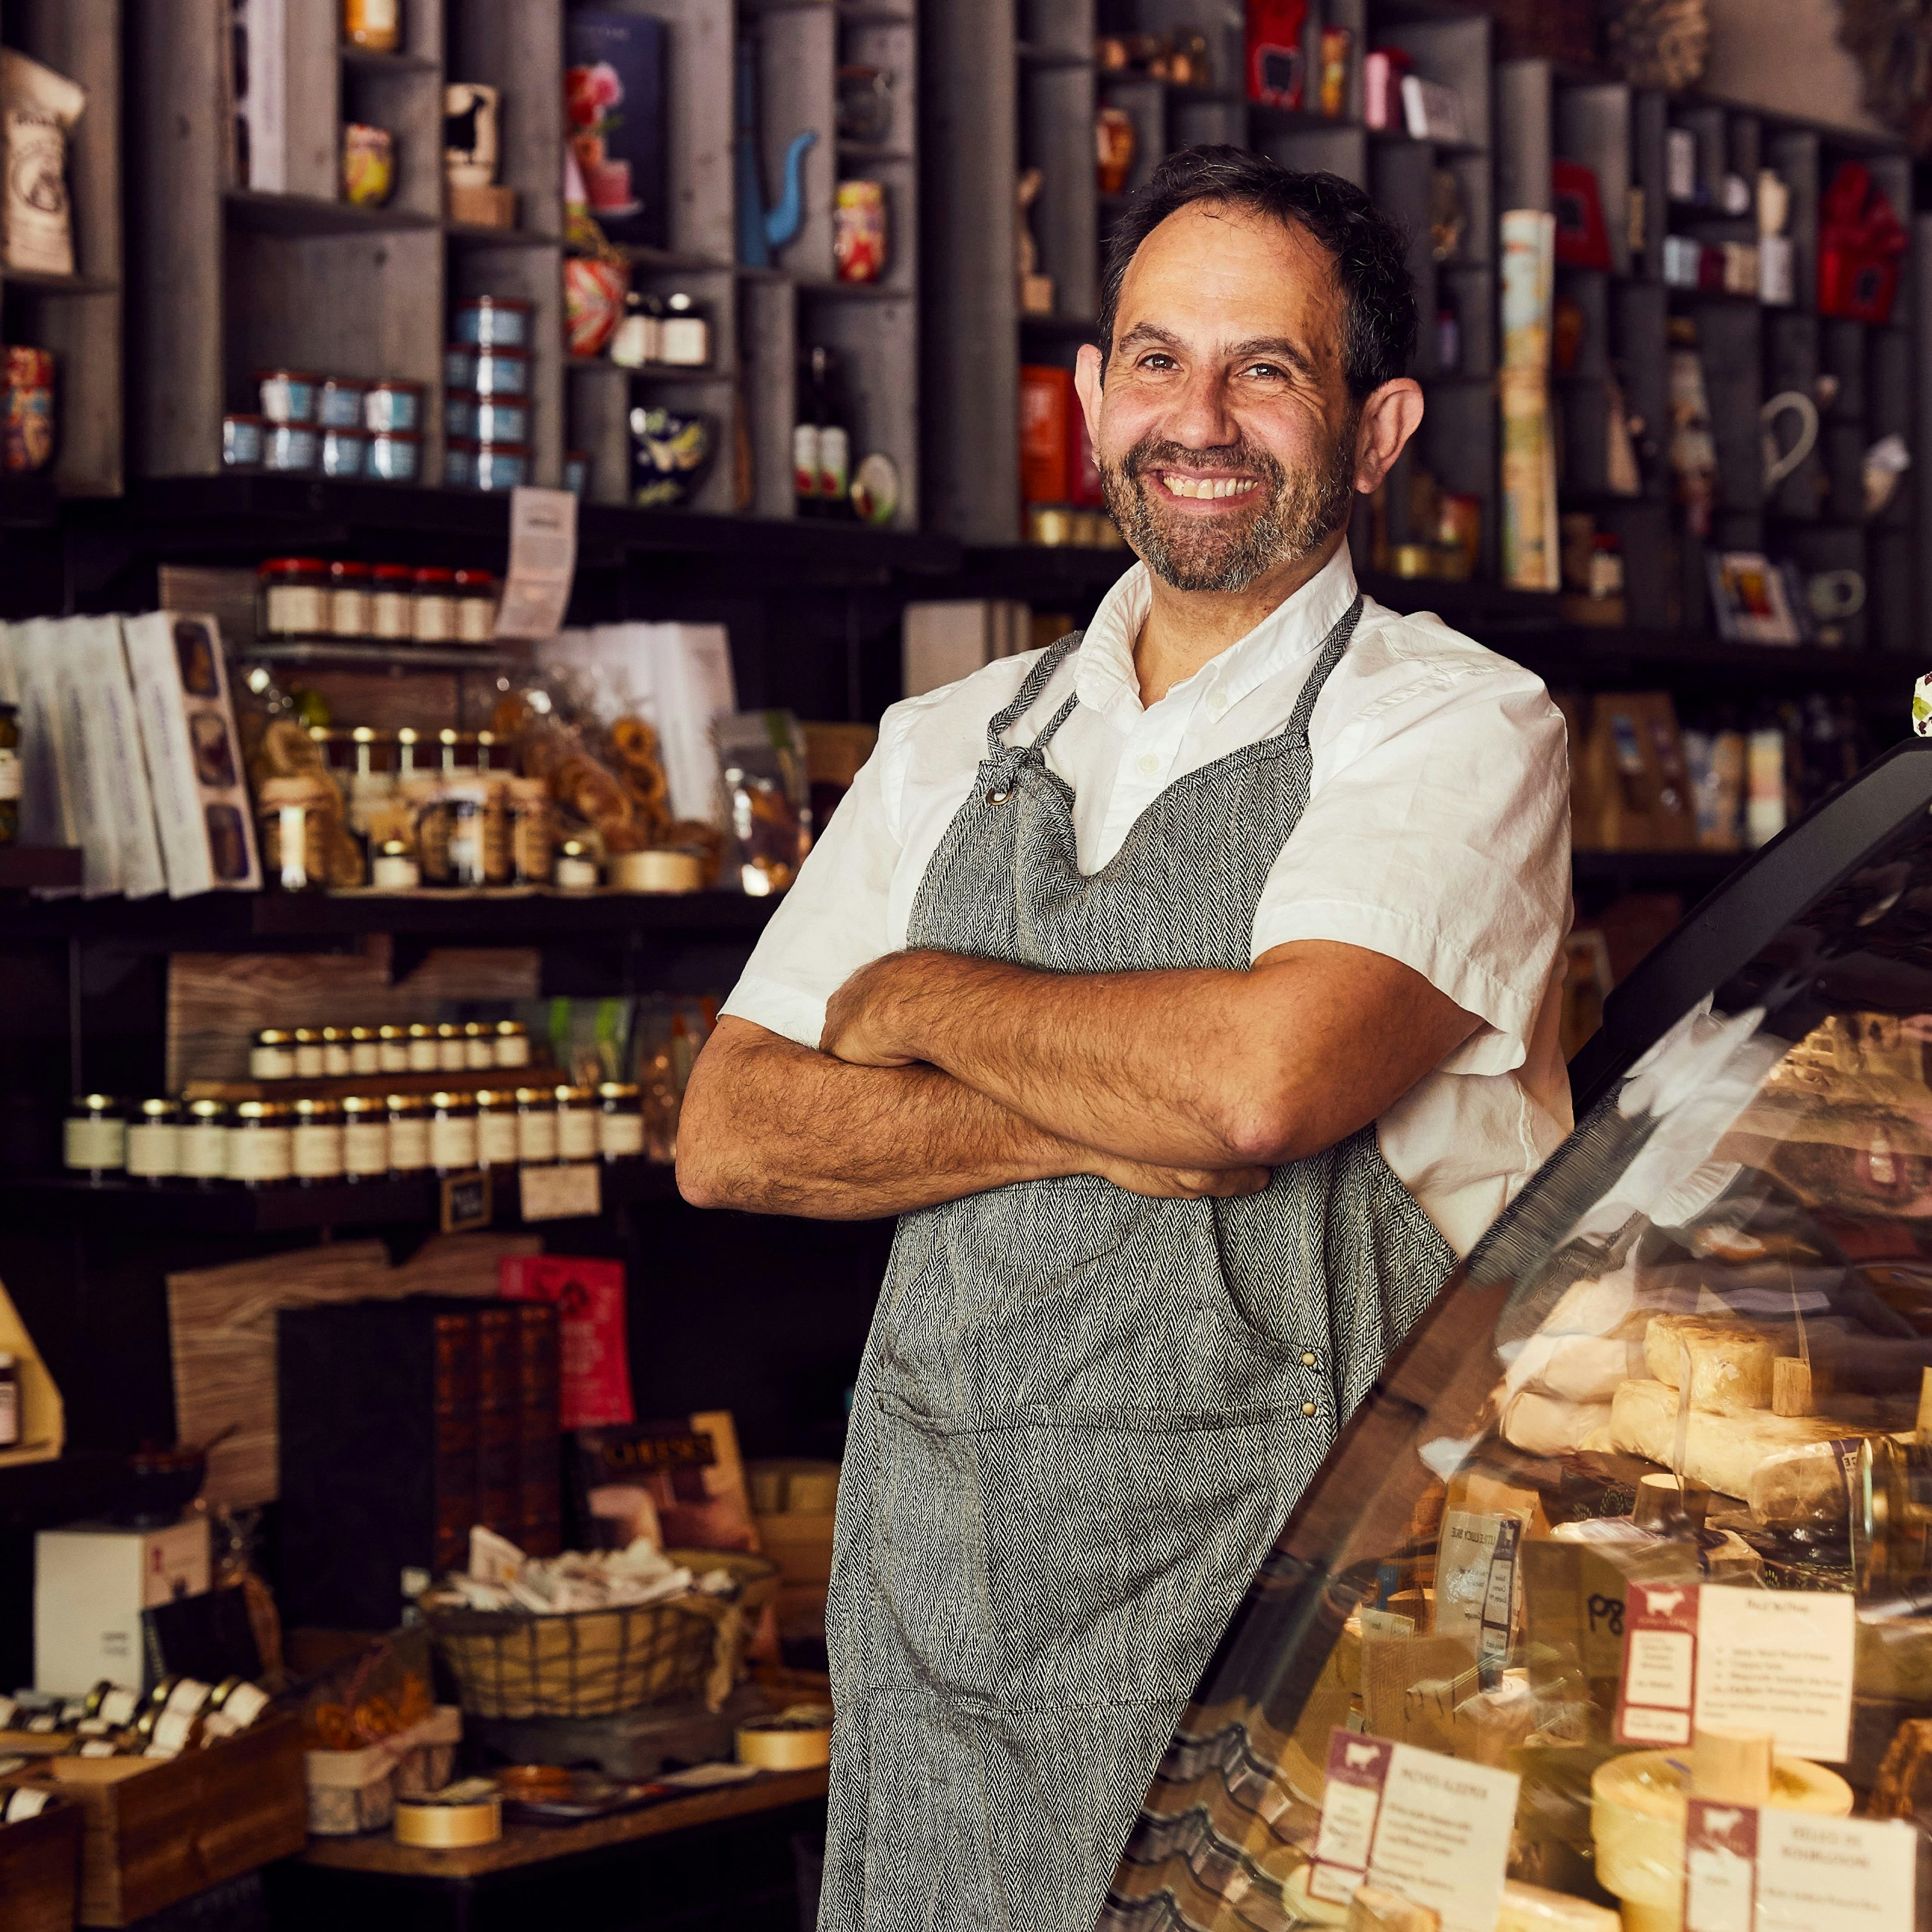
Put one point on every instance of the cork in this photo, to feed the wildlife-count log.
(1731, 1766)
(1791, 1387)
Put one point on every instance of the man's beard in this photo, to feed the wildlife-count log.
(1291, 518)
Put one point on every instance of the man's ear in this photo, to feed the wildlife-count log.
(1390, 417)
(1086, 374)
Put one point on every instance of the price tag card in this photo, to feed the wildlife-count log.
(560, 1193)
(1774, 1660)
(543, 563)
(1769, 1870)
(1415, 1822)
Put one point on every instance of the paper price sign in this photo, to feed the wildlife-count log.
(1429, 1827)
(1701, 1654)
(1769, 1870)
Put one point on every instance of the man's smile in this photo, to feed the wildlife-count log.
(1178, 483)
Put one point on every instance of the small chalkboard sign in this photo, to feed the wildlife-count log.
(465, 1202)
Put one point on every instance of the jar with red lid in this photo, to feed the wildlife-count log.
(349, 588)
(436, 606)
(292, 598)
(475, 606)
(392, 603)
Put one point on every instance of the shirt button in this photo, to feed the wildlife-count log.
(1149, 764)
(1308, 1361)
(1308, 1408)
(1217, 702)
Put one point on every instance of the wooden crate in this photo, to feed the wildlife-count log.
(39, 1871)
(155, 1831)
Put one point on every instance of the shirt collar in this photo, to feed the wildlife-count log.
(1105, 680)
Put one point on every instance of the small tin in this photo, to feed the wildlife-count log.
(392, 405)
(459, 366)
(459, 465)
(394, 456)
(288, 396)
(341, 402)
(459, 415)
(491, 466)
(345, 452)
(502, 372)
(289, 446)
(498, 419)
(241, 441)
(494, 322)
(576, 472)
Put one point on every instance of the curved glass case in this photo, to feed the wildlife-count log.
(1633, 1540)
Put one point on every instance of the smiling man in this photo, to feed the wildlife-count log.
(1189, 991)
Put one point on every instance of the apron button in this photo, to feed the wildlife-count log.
(1308, 1408)
(1308, 1361)
(997, 797)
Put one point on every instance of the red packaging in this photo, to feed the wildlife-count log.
(1277, 59)
(596, 1378)
(1049, 410)
(1860, 240)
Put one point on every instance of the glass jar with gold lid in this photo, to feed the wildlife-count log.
(452, 1132)
(577, 1124)
(495, 1127)
(204, 1142)
(315, 1141)
(408, 1134)
(536, 1126)
(620, 1125)
(154, 1141)
(365, 1138)
(261, 1151)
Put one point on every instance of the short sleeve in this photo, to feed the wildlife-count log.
(834, 919)
(1444, 843)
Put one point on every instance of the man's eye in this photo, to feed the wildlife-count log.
(1267, 369)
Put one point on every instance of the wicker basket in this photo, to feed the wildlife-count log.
(591, 1664)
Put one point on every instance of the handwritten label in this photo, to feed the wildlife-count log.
(1701, 1654)
(560, 1193)
(1436, 1830)
(1770, 1871)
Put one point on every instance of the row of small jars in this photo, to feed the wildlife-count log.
(388, 603)
(330, 1052)
(363, 1137)
(114, 1720)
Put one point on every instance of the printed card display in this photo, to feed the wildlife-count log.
(1702, 1654)
(543, 563)
(1413, 1821)
(588, 1296)
(1477, 1593)
(1771, 1871)
(562, 1193)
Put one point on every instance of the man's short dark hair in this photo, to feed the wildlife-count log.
(1369, 249)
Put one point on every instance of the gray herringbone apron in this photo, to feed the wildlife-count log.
(1083, 1415)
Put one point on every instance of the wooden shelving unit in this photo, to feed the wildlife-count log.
(78, 316)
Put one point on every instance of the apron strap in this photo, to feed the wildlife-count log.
(1295, 731)
(1049, 661)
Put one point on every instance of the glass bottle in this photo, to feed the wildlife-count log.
(577, 1124)
(495, 1127)
(204, 1142)
(449, 1054)
(94, 1140)
(272, 1057)
(260, 1149)
(409, 1135)
(422, 1048)
(620, 1131)
(392, 1049)
(512, 1045)
(479, 1052)
(452, 1132)
(365, 1055)
(349, 598)
(309, 1064)
(154, 1141)
(536, 1126)
(392, 604)
(336, 1062)
(315, 1141)
(365, 1138)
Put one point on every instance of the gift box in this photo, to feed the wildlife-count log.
(1860, 241)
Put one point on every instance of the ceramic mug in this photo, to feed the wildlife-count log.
(1778, 465)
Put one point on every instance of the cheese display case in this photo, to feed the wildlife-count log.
(1611, 1606)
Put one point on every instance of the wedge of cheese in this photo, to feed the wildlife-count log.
(1530, 1908)
(1724, 1452)
(1730, 1361)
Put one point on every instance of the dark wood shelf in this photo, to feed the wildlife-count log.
(25, 867)
(28, 502)
(310, 214)
(181, 1208)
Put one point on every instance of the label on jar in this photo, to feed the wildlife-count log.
(576, 875)
(476, 620)
(496, 1139)
(478, 1053)
(393, 1055)
(271, 1063)
(9, 773)
(204, 1152)
(835, 464)
(394, 873)
(243, 1705)
(392, 614)
(365, 1146)
(318, 1150)
(335, 1061)
(449, 1055)
(452, 1142)
(153, 1149)
(10, 1412)
(119, 1707)
(409, 1143)
(348, 613)
(309, 1063)
(297, 609)
(260, 1153)
(536, 1135)
(365, 1057)
(172, 1728)
(435, 617)
(513, 1049)
(422, 1055)
(576, 1133)
(93, 1144)
(621, 1134)
(805, 460)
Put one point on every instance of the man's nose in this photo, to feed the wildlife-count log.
(1202, 420)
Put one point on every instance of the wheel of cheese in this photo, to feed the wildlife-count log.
(1636, 1816)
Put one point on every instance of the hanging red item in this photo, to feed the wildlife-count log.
(1277, 59)
(1860, 241)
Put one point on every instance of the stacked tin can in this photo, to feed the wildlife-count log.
(486, 400)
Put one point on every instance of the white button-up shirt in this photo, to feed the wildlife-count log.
(1437, 832)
